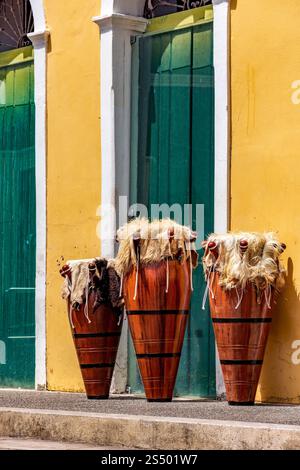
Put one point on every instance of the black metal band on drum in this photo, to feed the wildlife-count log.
(242, 320)
(156, 355)
(97, 366)
(158, 312)
(234, 362)
(97, 335)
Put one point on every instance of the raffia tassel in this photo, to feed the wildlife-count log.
(246, 257)
(155, 244)
(104, 281)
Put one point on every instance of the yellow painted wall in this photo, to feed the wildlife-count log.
(265, 174)
(73, 166)
(265, 177)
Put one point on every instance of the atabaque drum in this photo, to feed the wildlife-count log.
(244, 277)
(157, 319)
(96, 330)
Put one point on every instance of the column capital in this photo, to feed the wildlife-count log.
(135, 24)
(39, 38)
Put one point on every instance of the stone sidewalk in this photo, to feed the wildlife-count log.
(129, 405)
(131, 422)
(30, 444)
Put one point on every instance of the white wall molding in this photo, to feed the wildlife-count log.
(116, 31)
(118, 23)
(222, 132)
(38, 14)
(39, 39)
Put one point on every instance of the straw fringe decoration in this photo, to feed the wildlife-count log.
(258, 264)
(155, 243)
(105, 282)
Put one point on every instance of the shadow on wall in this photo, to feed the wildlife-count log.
(280, 378)
(233, 4)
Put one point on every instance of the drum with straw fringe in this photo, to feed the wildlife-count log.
(242, 298)
(96, 328)
(157, 298)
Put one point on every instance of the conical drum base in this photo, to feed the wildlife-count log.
(157, 316)
(96, 345)
(241, 330)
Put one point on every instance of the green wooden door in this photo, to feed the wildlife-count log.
(173, 162)
(17, 219)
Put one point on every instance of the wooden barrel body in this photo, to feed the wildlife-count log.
(96, 345)
(241, 333)
(157, 321)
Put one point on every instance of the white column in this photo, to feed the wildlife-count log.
(39, 40)
(222, 126)
(116, 31)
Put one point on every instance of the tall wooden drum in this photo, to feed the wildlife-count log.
(243, 277)
(157, 322)
(156, 261)
(96, 330)
(241, 335)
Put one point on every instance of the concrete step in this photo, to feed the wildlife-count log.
(36, 444)
(146, 432)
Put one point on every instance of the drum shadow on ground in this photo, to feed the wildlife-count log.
(175, 399)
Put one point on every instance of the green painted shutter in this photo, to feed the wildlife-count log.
(17, 219)
(173, 162)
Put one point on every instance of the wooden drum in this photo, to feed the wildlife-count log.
(241, 336)
(96, 335)
(243, 277)
(157, 319)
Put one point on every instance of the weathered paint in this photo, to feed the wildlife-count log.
(265, 172)
(73, 166)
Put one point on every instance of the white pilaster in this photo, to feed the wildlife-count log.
(222, 128)
(116, 31)
(39, 40)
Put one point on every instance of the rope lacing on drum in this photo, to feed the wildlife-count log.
(268, 295)
(191, 266)
(121, 285)
(191, 272)
(239, 297)
(209, 284)
(208, 288)
(86, 307)
(167, 275)
(71, 316)
(136, 274)
(70, 308)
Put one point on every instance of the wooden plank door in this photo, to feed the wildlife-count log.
(17, 219)
(173, 162)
